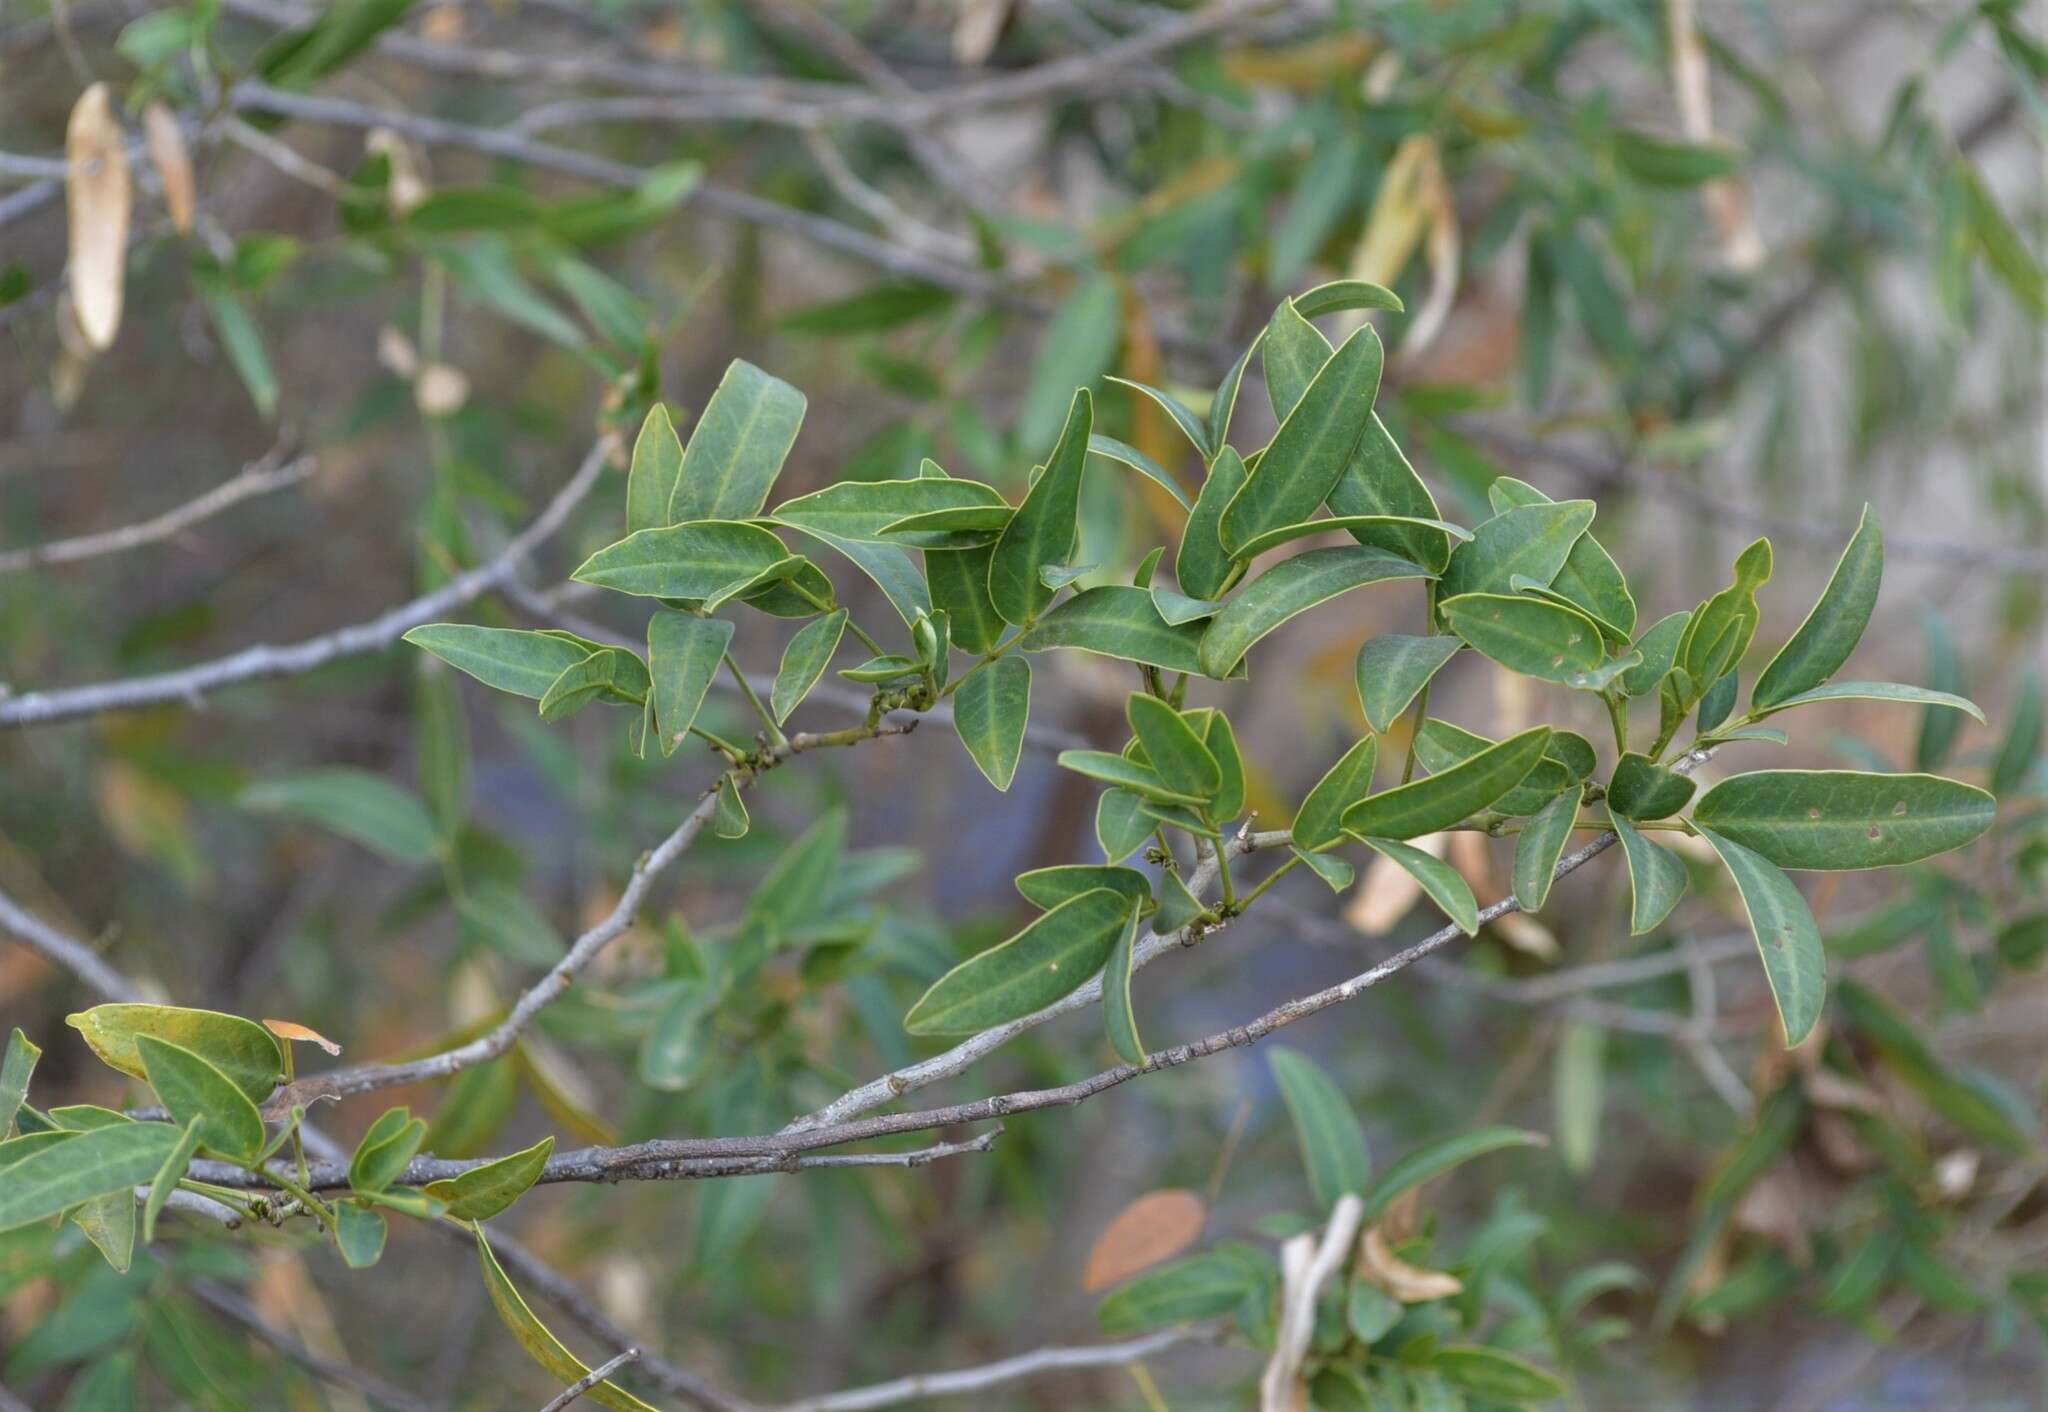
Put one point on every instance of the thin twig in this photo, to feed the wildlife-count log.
(990, 1375)
(590, 1380)
(66, 951)
(233, 1306)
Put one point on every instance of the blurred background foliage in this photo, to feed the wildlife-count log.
(1730, 269)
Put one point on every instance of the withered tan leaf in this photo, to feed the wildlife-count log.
(291, 1029)
(98, 196)
(173, 163)
(1155, 1227)
(1411, 1284)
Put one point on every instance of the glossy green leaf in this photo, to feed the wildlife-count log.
(1047, 888)
(1202, 1286)
(1360, 526)
(690, 560)
(1290, 587)
(1393, 669)
(386, 1150)
(1125, 454)
(1124, 773)
(1438, 1157)
(15, 1069)
(1175, 750)
(1336, 873)
(1443, 883)
(967, 527)
(1643, 789)
(1312, 447)
(1839, 819)
(1045, 528)
(1659, 647)
(803, 662)
(1870, 691)
(1332, 1142)
(485, 1190)
(791, 587)
(684, 653)
(1795, 962)
(1117, 620)
(1590, 579)
(241, 1049)
(58, 1175)
(1439, 745)
(1528, 635)
(167, 1177)
(1201, 565)
(729, 815)
(1191, 425)
(1046, 960)
(1177, 608)
(195, 1091)
(1449, 796)
(1539, 845)
(1834, 627)
(613, 675)
(991, 710)
(1531, 540)
(651, 479)
(1121, 826)
(1120, 1020)
(1320, 820)
(1178, 908)
(1495, 1374)
(959, 587)
(1386, 503)
(1720, 630)
(1656, 877)
(523, 663)
(865, 510)
(1228, 800)
(737, 449)
(1341, 295)
(1295, 351)
(359, 1234)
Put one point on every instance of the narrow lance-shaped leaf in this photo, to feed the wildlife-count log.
(1448, 797)
(523, 663)
(1379, 482)
(1310, 450)
(1120, 1020)
(738, 447)
(1656, 878)
(1295, 351)
(1125, 773)
(1202, 565)
(1221, 738)
(57, 1176)
(1045, 527)
(1361, 527)
(1445, 886)
(1332, 1142)
(1050, 957)
(533, 1336)
(1795, 962)
(1837, 819)
(1834, 627)
(651, 478)
(1873, 691)
(1176, 752)
(1293, 586)
(684, 653)
(1435, 1158)
(1320, 820)
(1191, 425)
(167, 1177)
(1117, 620)
(804, 661)
(1124, 453)
(1538, 847)
(1202, 1286)
(15, 1069)
(991, 710)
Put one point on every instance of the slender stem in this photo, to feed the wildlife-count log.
(718, 743)
(1415, 730)
(306, 1198)
(987, 657)
(775, 735)
(1293, 861)
(851, 626)
(1223, 874)
(1617, 716)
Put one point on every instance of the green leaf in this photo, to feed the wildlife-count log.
(109, 1223)
(1177, 608)
(1178, 908)
(1313, 445)
(2022, 743)
(1438, 1157)
(968, 527)
(990, 711)
(684, 653)
(1077, 348)
(1494, 1374)
(1320, 820)
(1295, 351)
(1293, 586)
(1795, 962)
(1332, 1143)
(386, 1150)
(241, 1049)
(729, 815)
(2021, 943)
(1658, 161)
(1362, 527)
(1968, 1106)
(1834, 627)
(1221, 739)
(1370, 1313)
(1643, 789)
(1117, 620)
(196, 1091)
(1590, 580)
(867, 509)
(1049, 958)
(1567, 761)
(1380, 491)
(1868, 691)
(1393, 669)
(1721, 628)
(1533, 541)
(886, 305)
(1046, 527)
(243, 342)
(804, 661)
(737, 449)
(1124, 773)
(359, 1234)
(1224, 403)
(612, 674)
(15, 1069)
(523, 663)
(1659, 647)
(1341, 295)
(1449, 796)
(1201, 564)
(1577, 1079)
(1656, 878)
(1202, 1286)
(1538, 847)
(1121, 825)
(1175, 750)
(691, 560)
(443, 749)
(1336, 873)
(1120, 1021)
(1839, 819)
(1939, 726)
(1446, 888)
(56, 1176)
(533, 1336)
(168, 1176)
(1327, 186)
(889, 667)
(303, 56)
(499, 917)
(1048, 887)
(483, 1191)
(1110, 448)
(959, 588)
(1527, 635)
(1191, 425)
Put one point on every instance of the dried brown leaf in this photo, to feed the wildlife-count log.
(173, 162)
(98, 196)
(1411, 1284)
(291, 1029)
(1154, 1228)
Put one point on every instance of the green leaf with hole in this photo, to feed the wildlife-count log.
(1120, 1020)
(241, 1049)
(1436, 1158)
(1175, 750)
(55, 1176)
(1449, 796)
(1530, 540)
(690, 560)
(1331, 1140)
(1313, 445)
(1528, 635)
(1392, 670)
(990, 711)
(489, 1188)
(803, 662)
(684, 653)
(1643, 789)
(194, 1090)
(737, 449)
(1834, 627)
(1442, 882)
(1049, 958)
(1118, 620)
(1046, 527)
(1656, 877)
(1795, 962)
(1540, 844)
(386, 1150)
(1290, 587)
(1201, 565)
(1842, 819)
(1320, 820)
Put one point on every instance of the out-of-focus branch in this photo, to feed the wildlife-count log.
(226, 1302)
(66, 951)
(191, 684)
(1017, 1368)
(257, 478)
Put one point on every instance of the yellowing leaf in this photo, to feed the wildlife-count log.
(1154, 1228)
(98, 195)
(289, 1029)
(534, 1337)
(173, 163)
